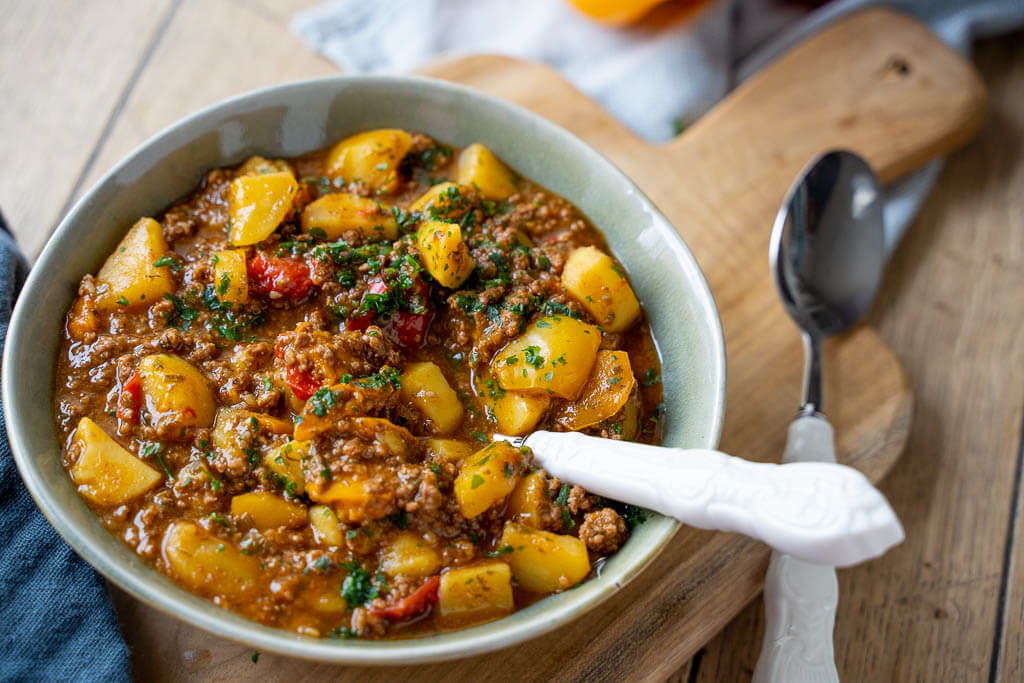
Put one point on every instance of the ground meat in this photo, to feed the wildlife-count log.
(209, 206)
(603, 531)
(330, 356)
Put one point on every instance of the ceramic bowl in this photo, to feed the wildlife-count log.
(288, 120)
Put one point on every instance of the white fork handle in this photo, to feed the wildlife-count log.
(818, 512)
(799, 597)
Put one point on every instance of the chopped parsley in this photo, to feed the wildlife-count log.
(651, 377)
(122, 301)
(387, 376)
(155, 449)
(476, 482)
(167, 261)
(533, 357)
(322, 401)
(562, 502)
(503, 550)
(357, 588)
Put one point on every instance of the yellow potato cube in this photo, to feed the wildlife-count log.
(175, 395)
(339, 213)
(256, 165)
(286, 463)
(605, 393)
(268, 511)
(104, 472)
(207, 564)
(486, 477)
(230, 278)
(516, 413)
(407, 554)
(426, 389)
(128, 278)
(257, 204)
(528, 501)
(601, 287)
(371, 157)
(555, 355)
(448, 450)
(443, 253)
(544, 562)
(326, 525)
(330, 601)
(445, 201)
(480, 169)
(477, 592)
(234, 429)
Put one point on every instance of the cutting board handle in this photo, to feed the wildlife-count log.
(876, 82)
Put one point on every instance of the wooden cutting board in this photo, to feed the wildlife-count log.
(877, 83)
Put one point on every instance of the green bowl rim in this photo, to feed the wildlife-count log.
(164, 595)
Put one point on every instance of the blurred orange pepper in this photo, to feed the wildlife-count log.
(615, 12)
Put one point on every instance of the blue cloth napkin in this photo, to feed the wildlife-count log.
(56, 619)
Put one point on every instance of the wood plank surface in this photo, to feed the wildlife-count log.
(952, 308)
(949, 308)
(65, 68)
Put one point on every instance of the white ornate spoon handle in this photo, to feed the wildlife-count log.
(799, 597)
(819, 512)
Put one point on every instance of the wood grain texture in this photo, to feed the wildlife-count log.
(64, 66)
(951, 307)
(211, 51)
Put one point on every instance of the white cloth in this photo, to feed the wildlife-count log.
(652, 76)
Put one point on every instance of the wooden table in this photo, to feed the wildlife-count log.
(84, 83)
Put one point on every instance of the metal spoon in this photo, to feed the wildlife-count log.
(827, 253)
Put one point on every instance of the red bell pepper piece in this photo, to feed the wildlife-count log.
(302, 382)
(413, 604)
(360, 321)
(286, 276)
(411, 328)
(130, 399)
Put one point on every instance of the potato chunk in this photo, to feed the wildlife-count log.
(408, 554)
(257, 204)
(128, 278)
(339, 213)
(371, 157)
(448, 450)
(443, 253)
(176, 395)
(544, 562)
(528, 501)
(268, 511)
(601, 287)
(486, 477)
(106, 473)
(477, 592)
(445, 201)
(515, 412)
(230, 279)
(207, 564)
(426, 389)
(480, 169)
(286, 464)
(555, 355)
(326, 525)
(605, 393)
